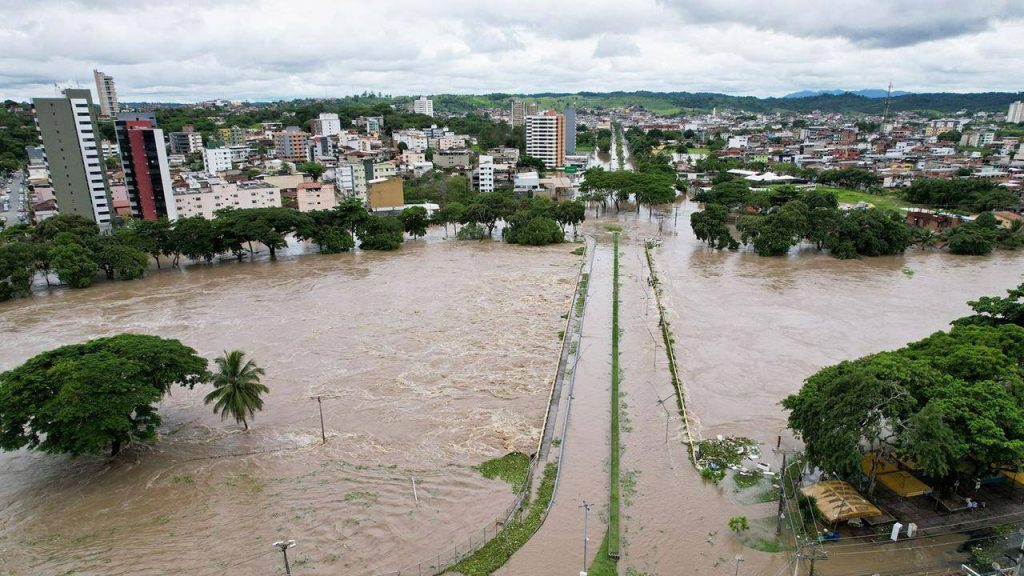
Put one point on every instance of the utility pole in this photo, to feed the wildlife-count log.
(323, 433)
(782, 496)
(284, 546)
(586, 512)
(1020, 555)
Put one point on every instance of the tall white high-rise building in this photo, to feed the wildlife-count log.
(106, 93)
(1016, 113)
(484, 174)
(545, 138)
(327, 124)
(423, 105)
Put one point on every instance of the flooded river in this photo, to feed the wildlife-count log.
(431, 360)
(748, 331)
(428, 360)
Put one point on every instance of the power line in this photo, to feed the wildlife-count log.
(930, 528)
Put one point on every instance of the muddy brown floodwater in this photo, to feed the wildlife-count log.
(748, 330)
(429, 360)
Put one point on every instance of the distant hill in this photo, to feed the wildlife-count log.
(674, 103)
(868, 93)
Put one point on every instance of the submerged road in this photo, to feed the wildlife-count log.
(557, 548)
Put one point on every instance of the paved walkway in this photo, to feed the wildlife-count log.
(557, 548)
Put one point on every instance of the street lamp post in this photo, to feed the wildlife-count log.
(284, 546)
(323, 433)
(586, 512)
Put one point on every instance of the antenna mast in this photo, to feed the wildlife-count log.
(885, 114)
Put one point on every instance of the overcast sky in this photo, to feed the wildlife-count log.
(185, 51)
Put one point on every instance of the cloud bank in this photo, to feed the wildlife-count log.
(270, 49)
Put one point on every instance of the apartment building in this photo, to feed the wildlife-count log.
(185, 142)
(207, 200)
(448, 142)
(147, 175)
(410, 157)
(216, 160)
(351, 179)
(67, 126)
(233, 136)
(518, 112)
(545, 138)
(423, 105)
(1016, 113)
(322, 149)
(414, 140)
(451, 158)
(385, 194)
(106, 93)
(291, 144)
(327, 124)
(374, 124)
(483, 176)
(570, 130)
(315, 196)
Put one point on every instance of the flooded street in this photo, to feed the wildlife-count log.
(429, 360)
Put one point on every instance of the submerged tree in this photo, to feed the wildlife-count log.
(237, 388)
(86, 398)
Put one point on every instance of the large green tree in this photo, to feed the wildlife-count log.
(996, 310)
(415, 221)
(709, 226)
(90, 397)
(953, 403)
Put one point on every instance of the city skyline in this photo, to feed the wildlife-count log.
(249, 51)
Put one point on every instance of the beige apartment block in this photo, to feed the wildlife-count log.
(315, 196)
(206, 201)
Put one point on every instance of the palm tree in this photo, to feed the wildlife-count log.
(237, 387)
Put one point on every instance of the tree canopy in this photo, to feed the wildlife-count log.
(953, 403)
(90, 397)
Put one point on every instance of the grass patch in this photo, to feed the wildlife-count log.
(579, 251)
(512, 468)
(767, 545)
(581, 298)
(846, 196)
(603, 564)
(362, 498)
(613, 227)
(698, 151)
(749, 479)
(613, 503)
(496, 552)
(183, 479)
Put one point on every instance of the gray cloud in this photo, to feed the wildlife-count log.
(867, 22)
(268, 49)
(612, 46)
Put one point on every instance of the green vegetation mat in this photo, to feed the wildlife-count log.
(512, 468)
(613, 505)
